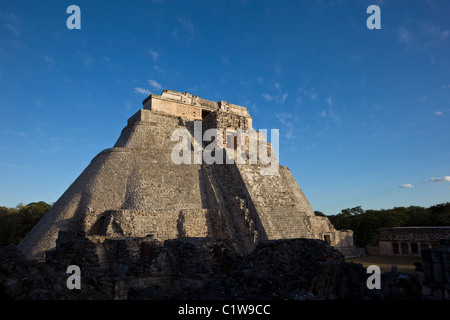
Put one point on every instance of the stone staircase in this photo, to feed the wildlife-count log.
(275, 206)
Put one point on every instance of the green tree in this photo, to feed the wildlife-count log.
(366, 224)
(319, 213)
(16, 223)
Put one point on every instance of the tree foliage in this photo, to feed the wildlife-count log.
(366, 224)
(16, 223)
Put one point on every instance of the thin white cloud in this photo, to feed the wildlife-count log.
(142, 91)
(446, 86)
(278, 97)
(85, 58)
(157, 68)
(309, 93)
(18, 133)
(11, 22)
(278, 70)
(184, 31)
(439, 113)
(331, 115)
(225, 60)
(420, 35)
(405, 36)
(155, 84)
(329, 101)
(15, 166)
(154, 55)
(406, 185)
(281, 98)
(286, 120)
(441, 179)
(187, 23)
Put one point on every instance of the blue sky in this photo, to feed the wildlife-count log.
(363, 114)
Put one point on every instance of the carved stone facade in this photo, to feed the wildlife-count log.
(410, 241)
(192, 107)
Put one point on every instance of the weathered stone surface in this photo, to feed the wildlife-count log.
(195, 268)
(22, 279)
(436, 267)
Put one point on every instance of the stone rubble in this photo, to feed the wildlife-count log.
(143, 268)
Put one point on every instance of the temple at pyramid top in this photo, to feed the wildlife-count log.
(183, 104)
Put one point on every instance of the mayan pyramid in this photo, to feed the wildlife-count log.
(136, 190)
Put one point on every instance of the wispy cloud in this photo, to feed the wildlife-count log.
(311, 94)
(11, 22)
(142, 91)
(278, 70)
(225, 60)
(404, 35)
(420, 35)
(287, 121)
(406, 185)
(185, 30)
(446, 86)
(439, 113)
(15, 166)
(85, 58)
(153, 54)
(155, 84)
(332, 115)
(441, 179)
(157, 68)
(267, 97)
(329, 101)
(279, 96)
(18, 133)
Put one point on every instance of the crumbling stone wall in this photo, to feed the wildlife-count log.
(194, 268)
(436, 267)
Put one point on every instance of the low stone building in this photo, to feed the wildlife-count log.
(410, 241)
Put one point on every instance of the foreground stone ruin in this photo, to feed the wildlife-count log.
(195, 268)
(436, 268)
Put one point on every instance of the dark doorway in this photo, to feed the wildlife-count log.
(205, 113)
(414, 248)
(395, 248)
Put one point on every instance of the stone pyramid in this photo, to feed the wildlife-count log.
(136, 190)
